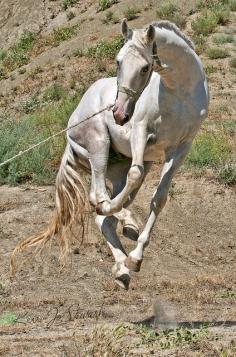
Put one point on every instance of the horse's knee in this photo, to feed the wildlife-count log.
(136, 173)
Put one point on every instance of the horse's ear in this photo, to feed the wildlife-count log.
(150, 34)
(126, 31)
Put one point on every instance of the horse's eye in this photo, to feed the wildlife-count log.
(118, 63)
(145, 69)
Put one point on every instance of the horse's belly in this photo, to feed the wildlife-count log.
(155, 152)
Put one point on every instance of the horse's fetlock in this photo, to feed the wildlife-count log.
(136, 173)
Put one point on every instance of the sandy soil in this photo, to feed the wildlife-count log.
(188, 274)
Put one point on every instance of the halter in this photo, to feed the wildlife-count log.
(136, 94)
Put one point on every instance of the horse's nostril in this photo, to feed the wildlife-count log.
(126, 118)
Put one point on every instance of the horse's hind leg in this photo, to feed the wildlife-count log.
(174, 159)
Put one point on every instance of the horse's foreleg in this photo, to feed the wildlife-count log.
(173, 161)
(135, 174)
(107, 226)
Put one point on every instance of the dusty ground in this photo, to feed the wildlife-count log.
(188, 274)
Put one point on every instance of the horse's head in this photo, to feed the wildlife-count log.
(134, 69)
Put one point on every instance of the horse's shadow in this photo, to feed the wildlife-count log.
(153, 322)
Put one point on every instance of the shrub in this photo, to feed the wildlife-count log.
(105, 4)
(131, 13)
(204, 24)
(200, 42)
(105, 49)
(214, 4)
(232, 62)
(209, 150)
(39, 165)
(215, 53)
(232, 5)
(170, 11)
(227, 174)
(223, 15)
(167, 10)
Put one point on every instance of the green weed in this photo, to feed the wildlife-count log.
(131, 13)
(70, 15)
(33, 73)
(209, 150)
(21, 70)
(31, 104)
(8, 319)
(210, 69)
(105, 49)
(64, 33)
(68, 3)
(25, 42)
(170, 11)
(54, 93)
(110, 18)
(17, 55)
(215, 53)
(105, 4)
(3, 54)
(40, 165)
(222, 39)
(172, 338)
(78, 52)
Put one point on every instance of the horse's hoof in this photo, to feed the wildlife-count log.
(123, 281)
(131, 232)
(133, 264)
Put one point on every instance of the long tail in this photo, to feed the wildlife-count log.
(72, 207)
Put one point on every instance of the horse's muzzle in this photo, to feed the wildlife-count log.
(123, 110)
(120, 117)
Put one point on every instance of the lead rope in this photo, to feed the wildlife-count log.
(22, 152)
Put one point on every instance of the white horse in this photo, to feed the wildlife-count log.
(161, 98)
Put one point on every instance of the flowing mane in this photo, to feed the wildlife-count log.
(172, 27)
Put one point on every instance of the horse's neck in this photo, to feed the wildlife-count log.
(180, 68)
